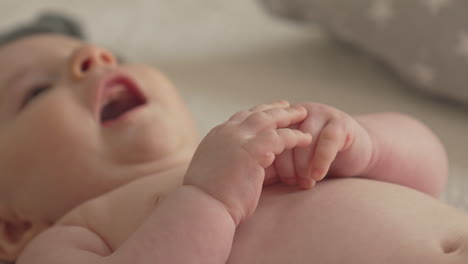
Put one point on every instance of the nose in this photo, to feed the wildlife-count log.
(88, 57)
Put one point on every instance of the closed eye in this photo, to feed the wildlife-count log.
(33, 93)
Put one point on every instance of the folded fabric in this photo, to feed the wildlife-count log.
(424, 41)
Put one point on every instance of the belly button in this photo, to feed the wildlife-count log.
(452, 244)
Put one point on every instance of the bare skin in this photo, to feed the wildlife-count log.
(116, 194)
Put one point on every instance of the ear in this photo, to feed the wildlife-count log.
(14, 235)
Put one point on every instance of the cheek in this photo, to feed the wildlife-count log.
(50, 148)
(56, 124)
(52, 132)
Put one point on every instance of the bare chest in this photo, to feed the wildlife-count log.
(345, 221)
(349, 221)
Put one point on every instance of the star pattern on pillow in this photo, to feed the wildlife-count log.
(381, 12)
(426, 41)
(462, 45)
(436, 5)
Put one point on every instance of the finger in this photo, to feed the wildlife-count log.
(330, 141)
(284, 162)
(271, 176)
(269, 143)
(303, 155)
(305, 183)
(284, 165)
(242, 115)
(263, 107)
(274, 118)
(292, 138)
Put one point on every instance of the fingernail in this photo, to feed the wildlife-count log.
(306, 183)
(312, 184)
(315, 173)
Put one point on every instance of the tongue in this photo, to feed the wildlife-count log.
(119, 101)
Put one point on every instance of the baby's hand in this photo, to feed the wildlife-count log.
(230, 162)
(333, 132)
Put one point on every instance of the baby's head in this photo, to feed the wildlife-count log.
(74, 123)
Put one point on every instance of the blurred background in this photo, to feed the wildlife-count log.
(225, 56)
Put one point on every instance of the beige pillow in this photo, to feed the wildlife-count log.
(425, 41)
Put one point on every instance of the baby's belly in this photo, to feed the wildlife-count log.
(351, 221)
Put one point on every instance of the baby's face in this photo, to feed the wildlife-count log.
(74, 124)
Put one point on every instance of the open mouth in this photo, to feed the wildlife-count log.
(119, 97)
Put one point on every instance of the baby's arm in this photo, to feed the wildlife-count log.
(388, 146)
(405, 152)
(196, 222)
(181, 229)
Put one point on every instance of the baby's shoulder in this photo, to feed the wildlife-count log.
(115, 215)
(65, 244)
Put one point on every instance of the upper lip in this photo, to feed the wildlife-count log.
(109, 81)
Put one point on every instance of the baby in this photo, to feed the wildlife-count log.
(101, 164)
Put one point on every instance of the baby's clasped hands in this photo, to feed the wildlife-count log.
(230, 162)
(333, 132)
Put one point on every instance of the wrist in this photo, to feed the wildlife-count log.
(187, 226)
(358, 158)
(209, 200)
(369, 148)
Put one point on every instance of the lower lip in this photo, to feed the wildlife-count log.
(123, 117)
